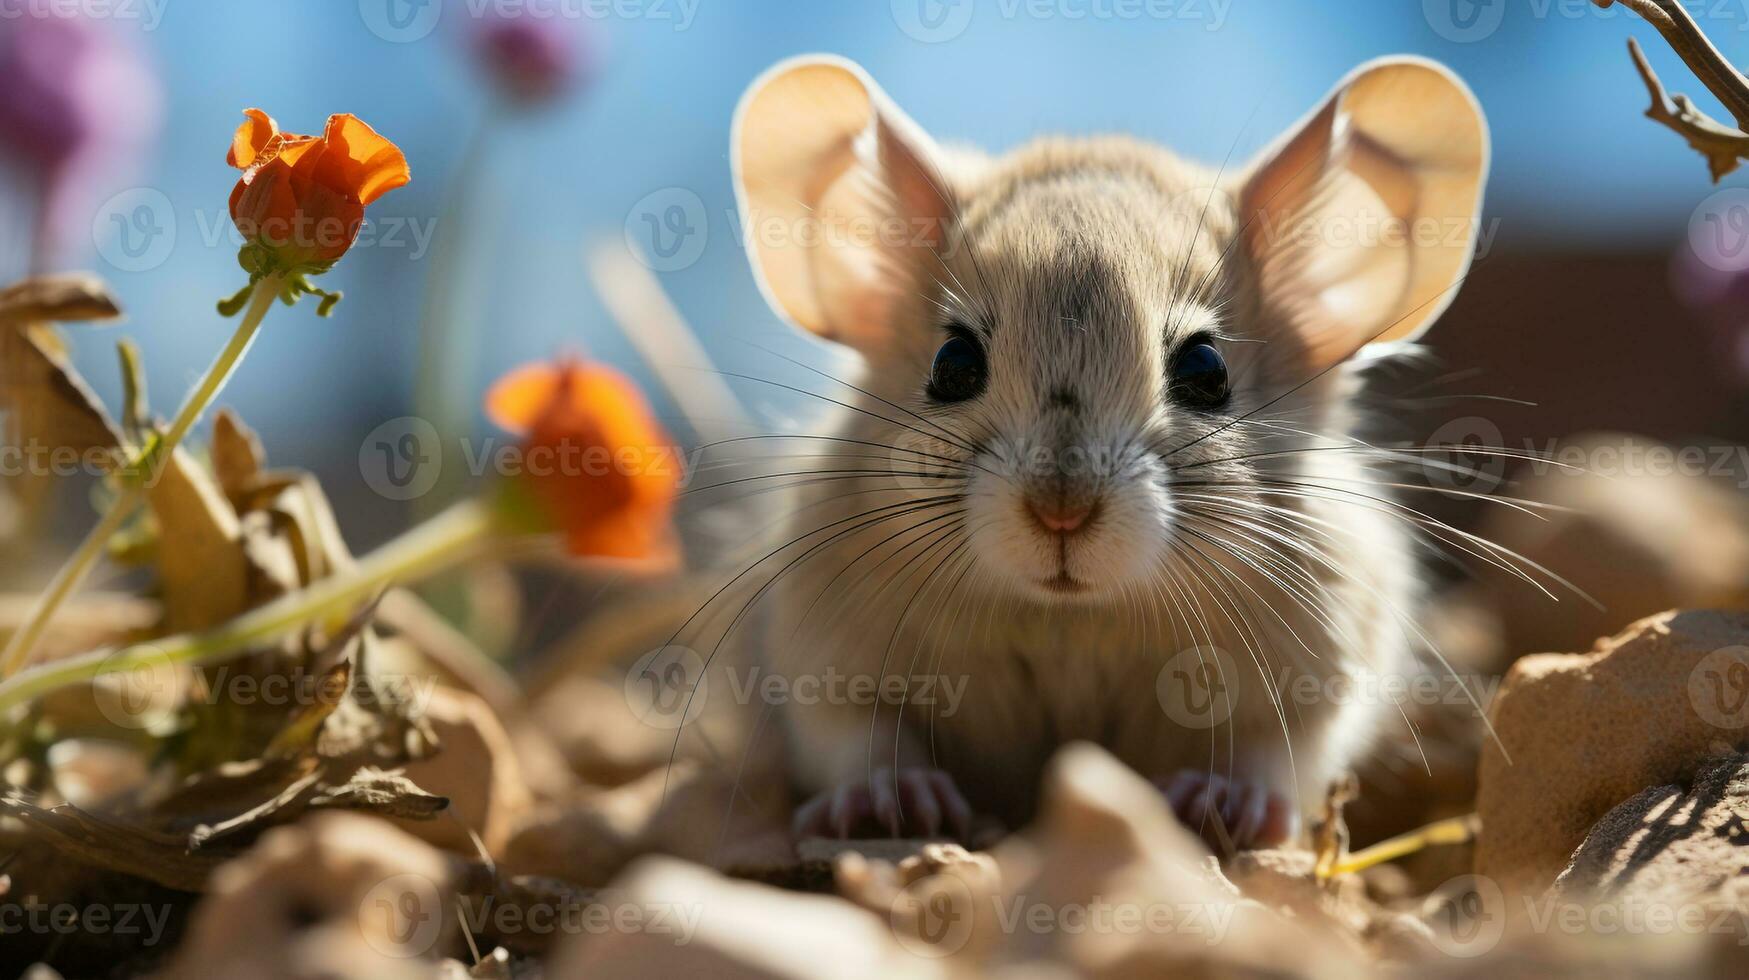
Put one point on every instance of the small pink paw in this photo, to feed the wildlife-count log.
(910, 803)
(1252, 815)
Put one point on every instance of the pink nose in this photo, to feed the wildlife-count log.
(1060, 518)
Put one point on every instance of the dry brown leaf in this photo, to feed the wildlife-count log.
(59, 298)
(223, 792)
(383, 792)
(113, 845)
(476, 766)
(237, 456)
(272, 557)
(203, 571)
(300, 513)
(46, 407)
(288, 801)
(299, 736)
(380, 791)
(46, 403)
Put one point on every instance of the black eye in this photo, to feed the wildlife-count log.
(1199, 375)
(959, 371)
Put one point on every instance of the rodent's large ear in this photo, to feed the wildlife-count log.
(1362, 221)
(840, 199)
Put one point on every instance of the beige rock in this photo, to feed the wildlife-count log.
(589, 838)
(1585, 732)
(1106, 884)
(1669, 846)
(939, 899)
(1583, 956)
(596, 730)
(549, 775)
(1284, 880)
(687, 921)
(476, 768)
(1107, 845)
(337, 896)
(692, 811)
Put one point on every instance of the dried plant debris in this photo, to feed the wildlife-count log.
(372, 798)
(221, 753)
(48, 407)
(237, 457)
(96, 841)
(67, 298)
(1723, 146)
(326, 755)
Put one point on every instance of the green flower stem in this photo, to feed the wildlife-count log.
(73, 572)
(266, 291)
(448, 348)
(448, 333)
(465, 531)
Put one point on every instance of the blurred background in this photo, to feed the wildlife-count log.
(1606, 298)
(1601, 339)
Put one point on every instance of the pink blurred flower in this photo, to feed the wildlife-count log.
(535, 59)
(1718, 296)
(79, 106)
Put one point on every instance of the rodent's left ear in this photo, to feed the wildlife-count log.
(1362, 222)
(842, 202)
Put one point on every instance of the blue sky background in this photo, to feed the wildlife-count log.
(1574, 164)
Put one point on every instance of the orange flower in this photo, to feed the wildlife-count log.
(301, 199)
(597, 465)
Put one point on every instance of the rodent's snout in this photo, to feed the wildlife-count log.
(1059, 516)
(1067, 516)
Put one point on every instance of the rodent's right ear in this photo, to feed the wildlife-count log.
(842, 207)
(1363, 221)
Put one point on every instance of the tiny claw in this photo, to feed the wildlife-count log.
(1250, 815)
(911, 802)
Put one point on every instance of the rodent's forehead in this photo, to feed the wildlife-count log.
(1089, 252)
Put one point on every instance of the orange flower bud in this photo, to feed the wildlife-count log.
(596, 463)
(301, 199)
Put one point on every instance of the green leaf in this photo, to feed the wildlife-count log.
(134, 415)
(329, 299)
(239, 299)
